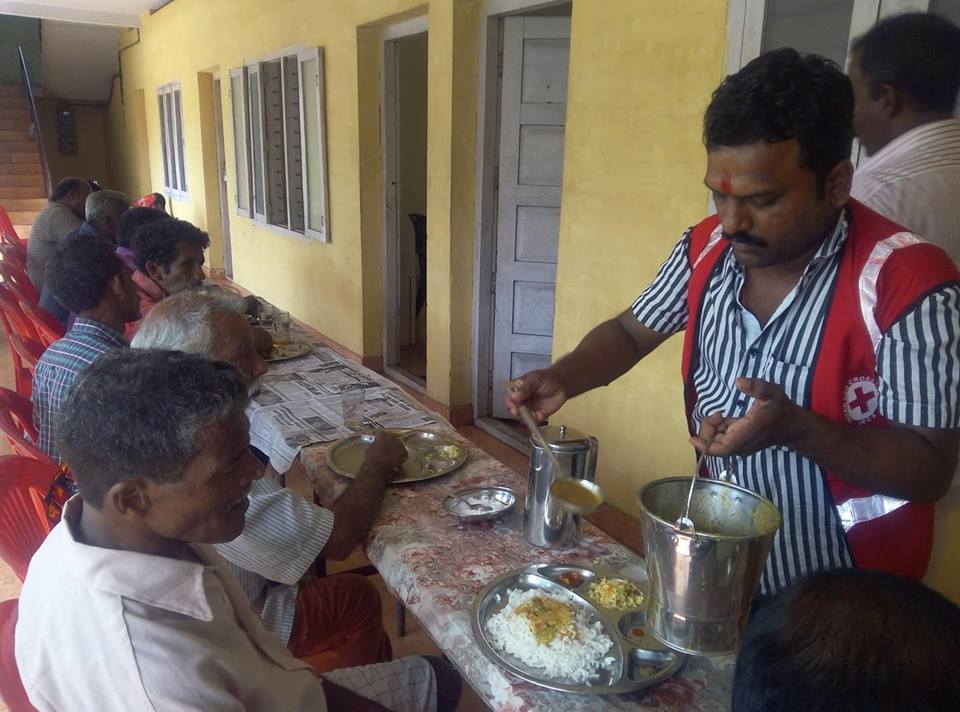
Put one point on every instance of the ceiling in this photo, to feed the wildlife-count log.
(117, 13)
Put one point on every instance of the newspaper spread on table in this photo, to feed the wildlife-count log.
(298, 403)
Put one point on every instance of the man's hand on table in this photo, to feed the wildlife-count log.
(262, 342)
(384, 457)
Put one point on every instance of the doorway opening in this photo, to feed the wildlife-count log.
(524, 118)
(405, 209)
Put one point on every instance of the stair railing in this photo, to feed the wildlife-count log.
(38, 134)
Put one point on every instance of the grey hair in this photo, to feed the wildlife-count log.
(103, 204)
(185, 321)
(143, 414)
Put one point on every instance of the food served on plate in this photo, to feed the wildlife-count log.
(440, 457)
(615, 593)
(571, 578)
(546, 631)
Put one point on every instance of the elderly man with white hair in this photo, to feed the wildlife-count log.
(330, 622)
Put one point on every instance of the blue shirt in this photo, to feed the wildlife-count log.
(59, 367)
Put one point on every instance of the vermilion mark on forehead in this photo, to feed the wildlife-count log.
(725, 183)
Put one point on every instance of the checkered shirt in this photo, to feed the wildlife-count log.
(57, 369)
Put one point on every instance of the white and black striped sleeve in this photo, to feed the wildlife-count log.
(918, 363)
(663, 305)
(283, 535)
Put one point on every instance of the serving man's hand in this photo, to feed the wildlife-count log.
(541, 391)
(771, 420)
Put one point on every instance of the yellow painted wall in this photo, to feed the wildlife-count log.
(633, 171)
(323, 284)
(90, 160)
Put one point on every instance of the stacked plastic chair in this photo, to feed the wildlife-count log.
(11, 687)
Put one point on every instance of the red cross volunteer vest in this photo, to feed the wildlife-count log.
(884, 271)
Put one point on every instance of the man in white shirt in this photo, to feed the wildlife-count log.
(125, 605)
(329, 622)
(906, 73)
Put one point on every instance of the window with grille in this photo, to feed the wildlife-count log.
(170, 105)
(278, 121)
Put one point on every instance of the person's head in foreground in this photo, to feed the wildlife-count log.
(87, 278)
(778, 135)
(170, 252)
(133, 220)
(103, 210)
(851, 641)
(73, 193)
(905, 72)
(158, 444)
(209, 321)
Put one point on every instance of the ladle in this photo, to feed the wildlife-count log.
(684, 523)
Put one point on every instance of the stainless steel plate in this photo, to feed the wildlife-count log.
(458, 504)
(294, 349)
(640, 660)
(429, 455)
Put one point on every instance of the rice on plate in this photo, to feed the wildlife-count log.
(546, 631)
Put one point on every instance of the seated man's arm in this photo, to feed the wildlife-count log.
(283, 536)
(356, 508)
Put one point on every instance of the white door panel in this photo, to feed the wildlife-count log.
(536, 58)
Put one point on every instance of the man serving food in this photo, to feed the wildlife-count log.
(822, 341)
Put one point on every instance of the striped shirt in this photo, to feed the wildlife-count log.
(50, 227)
(918, 369)
(58, 368)
(915, 181)
(283, 536)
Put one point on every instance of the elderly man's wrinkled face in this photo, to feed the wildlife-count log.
(209, 504)
(235, 344)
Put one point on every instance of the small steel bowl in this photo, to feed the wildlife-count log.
(503, 495)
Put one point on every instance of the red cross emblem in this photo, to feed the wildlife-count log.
(860, 400)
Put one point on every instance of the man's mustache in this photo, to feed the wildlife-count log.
(745, 239)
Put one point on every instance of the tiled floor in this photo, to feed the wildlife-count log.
(416, 641)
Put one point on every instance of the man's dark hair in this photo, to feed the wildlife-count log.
(143, 413)
(851, 641)
(783, 95)
(135, 218)
(917, 53)
(65, 187)
(158, 240)
(80, 270)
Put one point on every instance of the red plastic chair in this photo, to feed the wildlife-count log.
(7, 230)
(44, 324)
(29, 351)
(17, 281)
(11, 688)
(18, 322)
(22, 376)
(24, 483)
(13, 253)
(16, 422)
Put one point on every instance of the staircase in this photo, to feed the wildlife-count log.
(21, 178)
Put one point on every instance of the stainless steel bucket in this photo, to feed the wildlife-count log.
(702, 583)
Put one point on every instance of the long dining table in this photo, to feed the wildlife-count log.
(434, 565)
